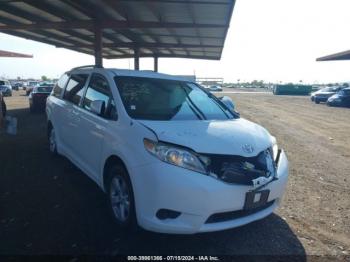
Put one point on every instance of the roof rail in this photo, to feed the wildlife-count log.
(85, 66)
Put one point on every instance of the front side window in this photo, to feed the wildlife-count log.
(75, 88)
(98, 89)
(159, 99)
(61, 83)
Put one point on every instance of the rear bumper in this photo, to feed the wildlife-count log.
(196, 197)
(8, 92)
(38, 102)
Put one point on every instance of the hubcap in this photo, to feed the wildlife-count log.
(52, 141)
(120, 200)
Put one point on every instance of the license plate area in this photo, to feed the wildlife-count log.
(256, 199)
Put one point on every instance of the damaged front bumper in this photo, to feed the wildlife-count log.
(197, 198)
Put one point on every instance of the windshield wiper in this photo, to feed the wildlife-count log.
(194, 105)
(222, 106)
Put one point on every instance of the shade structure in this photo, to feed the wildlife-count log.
(146, 28)
(13, 54)
(336, 57)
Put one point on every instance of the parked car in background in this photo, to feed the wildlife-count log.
(342, 98)
(5, 88)
(37, 98)
(171, 156)
(30, 85)
(215, 88)
(17, 85)
(323, 94)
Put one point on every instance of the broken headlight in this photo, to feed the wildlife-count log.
(177, 156)
(274, 147)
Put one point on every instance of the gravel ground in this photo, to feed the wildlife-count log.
(47, 206)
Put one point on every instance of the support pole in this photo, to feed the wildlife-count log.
(98, 46)
(156, 64)
(137, 58)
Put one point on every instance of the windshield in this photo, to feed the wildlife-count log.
(344, 92)
(330, 89)
(158, 99)
(46, 84)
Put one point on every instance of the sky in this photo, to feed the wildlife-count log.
(269, 40)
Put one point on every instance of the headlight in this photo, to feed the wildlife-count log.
(176, 156)
(274, 147)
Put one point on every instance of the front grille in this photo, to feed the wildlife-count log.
(227, 216)
(242, 170)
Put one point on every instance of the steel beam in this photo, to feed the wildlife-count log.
(149, 45)
(213, 57)
(112, 24)
(98, 46)
(156, 64)
(137, 59)
(13, 54)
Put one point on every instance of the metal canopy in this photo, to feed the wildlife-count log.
(13, 54)
(123, 28)
(338, 56)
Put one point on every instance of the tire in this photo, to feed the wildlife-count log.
(121, 198)
(52, 141)
(3, 107)
(317, 101)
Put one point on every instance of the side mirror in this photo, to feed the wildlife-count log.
(97, 107)
(228, 102)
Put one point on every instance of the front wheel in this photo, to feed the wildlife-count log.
(121, 198)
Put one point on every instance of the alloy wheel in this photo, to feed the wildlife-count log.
(120, 198)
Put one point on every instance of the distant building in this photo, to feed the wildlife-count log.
(209, 81)
(188, 77)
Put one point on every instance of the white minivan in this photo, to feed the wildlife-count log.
(170, 155)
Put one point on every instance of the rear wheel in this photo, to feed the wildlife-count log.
(52, 141)
(121, 197)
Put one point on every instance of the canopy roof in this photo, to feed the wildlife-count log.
(148, 28)
(338, 56)
(13, 54)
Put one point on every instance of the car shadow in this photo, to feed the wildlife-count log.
(50, 207)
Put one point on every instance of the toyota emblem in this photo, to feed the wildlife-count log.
(248, 148)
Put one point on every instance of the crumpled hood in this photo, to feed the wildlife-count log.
(213, 137)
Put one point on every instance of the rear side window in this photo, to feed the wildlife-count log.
(75, 88)
(98, 89)
(57, 90)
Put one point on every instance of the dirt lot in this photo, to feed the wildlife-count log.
(47, 206)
